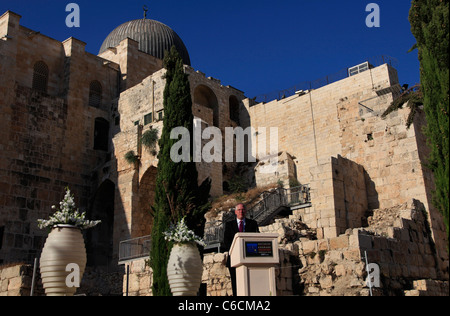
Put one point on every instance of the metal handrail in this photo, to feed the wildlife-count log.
(279, 198)
(133, 249)
(266, 207)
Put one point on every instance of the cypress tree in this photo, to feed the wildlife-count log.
(177, 192)
(430, 25)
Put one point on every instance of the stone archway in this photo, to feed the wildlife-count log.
(204, 96)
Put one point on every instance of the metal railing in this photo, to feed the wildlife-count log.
(297, 196)
(274, 201)
(267, 206)
(135, 248)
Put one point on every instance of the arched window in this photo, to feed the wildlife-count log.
(40, 76)
(95, 94)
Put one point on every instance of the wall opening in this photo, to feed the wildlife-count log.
(95, 94)
(234, 109)
(142, 217)
(99, 240)
(101, 134)
(204, 96)
(40, 76)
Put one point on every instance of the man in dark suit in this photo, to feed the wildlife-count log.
(238, 225)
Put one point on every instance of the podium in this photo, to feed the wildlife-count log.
(255, 256)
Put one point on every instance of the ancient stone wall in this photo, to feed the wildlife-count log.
(48, 137)
(16, 280)
(139, 279)
(344, 118)
(218, 281)
(141, 109)
(338, 192)
(284, 165)
(397, 240)
(135, 65)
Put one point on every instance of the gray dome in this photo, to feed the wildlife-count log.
(154, 38)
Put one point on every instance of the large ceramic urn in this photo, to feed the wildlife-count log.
(63, 254)
(184, 270)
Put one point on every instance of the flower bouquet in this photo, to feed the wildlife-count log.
(181, 234)
(67, 215)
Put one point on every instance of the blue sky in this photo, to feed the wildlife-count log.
(256, 46)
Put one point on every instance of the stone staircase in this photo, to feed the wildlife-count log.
(272, 203)
(263, 209)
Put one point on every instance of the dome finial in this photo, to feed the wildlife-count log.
(145, 8)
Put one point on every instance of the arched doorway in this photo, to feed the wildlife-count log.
(99, 245)
(142, 217)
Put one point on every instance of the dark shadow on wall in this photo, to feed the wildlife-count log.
(99, 240)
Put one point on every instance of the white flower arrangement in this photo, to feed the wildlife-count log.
(67, 215)
(180, 233)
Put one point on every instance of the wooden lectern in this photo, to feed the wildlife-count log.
(255, 256)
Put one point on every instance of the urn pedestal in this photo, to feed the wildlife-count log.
(184, 270)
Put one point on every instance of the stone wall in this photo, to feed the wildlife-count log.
(428, 288)
(16, 280)
(344, 119)
(139, 108)
(284, 165)
(47, 138)
(338, 192)
(135, 65)
(397, 239)
(139, 279)
(217, 277)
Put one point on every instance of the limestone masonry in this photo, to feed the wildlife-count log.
(70, 117)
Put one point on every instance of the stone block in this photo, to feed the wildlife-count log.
(15, 283)
(326, 282)
(330, 232)
(12, 272)
(309, 247)
(352, 254)
(208, 259)
(341, 242)
(219, 258)
(340, 270)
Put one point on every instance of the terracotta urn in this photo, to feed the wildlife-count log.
(184, 270)
(64, 254)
